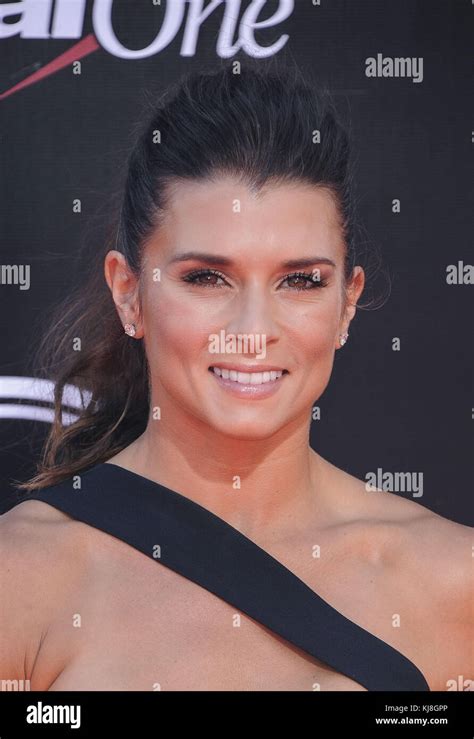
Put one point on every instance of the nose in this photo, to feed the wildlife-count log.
(254, 313)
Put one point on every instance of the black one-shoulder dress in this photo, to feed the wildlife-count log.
(202, 547)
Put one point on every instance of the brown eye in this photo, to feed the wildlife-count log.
(292, 281)
(306, 281)
(204, 278)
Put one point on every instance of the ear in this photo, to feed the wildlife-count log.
(123, 285)
(353, 293)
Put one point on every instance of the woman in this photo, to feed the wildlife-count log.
(231, 286)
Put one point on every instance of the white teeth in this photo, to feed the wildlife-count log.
(248, 378)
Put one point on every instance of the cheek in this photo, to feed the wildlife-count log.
(313, 330)
(173, 327)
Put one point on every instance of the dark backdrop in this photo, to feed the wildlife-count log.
(64, 136)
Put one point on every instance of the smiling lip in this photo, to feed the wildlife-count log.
(248, 390)
(248, 367)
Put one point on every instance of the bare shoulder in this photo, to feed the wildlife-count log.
(42, 557)
(431, 560)
(32, 522)
(441, 548)
(430, 537)
(441, 553)
(446, 544)
(39, 541)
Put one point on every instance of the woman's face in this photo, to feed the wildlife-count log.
(230, 267)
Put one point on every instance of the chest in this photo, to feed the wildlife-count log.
(137, 625)
(189, 641)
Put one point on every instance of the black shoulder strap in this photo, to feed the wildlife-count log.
(189, 539)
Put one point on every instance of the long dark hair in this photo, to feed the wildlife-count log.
(261, 125)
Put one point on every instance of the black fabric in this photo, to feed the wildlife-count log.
(205, 549)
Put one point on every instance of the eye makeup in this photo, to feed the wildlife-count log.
(194, 277)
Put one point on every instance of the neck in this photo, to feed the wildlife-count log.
(266, 486)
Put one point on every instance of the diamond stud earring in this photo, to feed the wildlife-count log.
(343, 338)
(130, 329)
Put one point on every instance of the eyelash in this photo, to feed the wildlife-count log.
(192, 277)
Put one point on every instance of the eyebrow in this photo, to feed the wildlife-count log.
(219, 260)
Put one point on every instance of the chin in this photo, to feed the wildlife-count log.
(249, 429)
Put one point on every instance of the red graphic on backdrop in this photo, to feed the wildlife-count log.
(76, 52)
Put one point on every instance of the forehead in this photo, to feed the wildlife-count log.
(225, 215)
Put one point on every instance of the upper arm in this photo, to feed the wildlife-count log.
(18, 626)
(38, 559)
(448, 581)
(462, 607)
